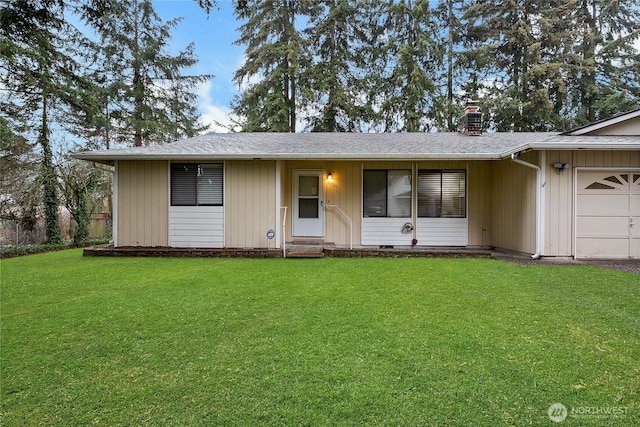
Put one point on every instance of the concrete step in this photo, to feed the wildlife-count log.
(305, 254)
(305, 251)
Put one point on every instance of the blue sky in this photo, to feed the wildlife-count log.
(213, 37)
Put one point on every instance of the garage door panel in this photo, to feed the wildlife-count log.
(592, 226)
(635, 204)
(592, 204)
(635, 247)
(603, 248)
(603, 180)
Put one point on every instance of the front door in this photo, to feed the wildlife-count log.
(308, 203)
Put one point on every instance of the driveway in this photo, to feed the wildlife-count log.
(628, 265)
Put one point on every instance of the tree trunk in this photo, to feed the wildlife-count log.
(451, 123)
(49, 185)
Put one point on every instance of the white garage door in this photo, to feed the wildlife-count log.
(608, 214)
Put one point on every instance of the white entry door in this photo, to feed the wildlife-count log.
(308, 203)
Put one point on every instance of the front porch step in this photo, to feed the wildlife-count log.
(297, 254)
(305, 250)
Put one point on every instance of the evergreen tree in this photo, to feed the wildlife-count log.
(411, 60)
(449, 105)
(20, 195)
(41, 76)
(517, 98)
(606, 66)
(146, 98)
(339, 34)
(276, 52)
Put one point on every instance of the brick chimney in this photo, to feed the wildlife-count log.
(471, 122)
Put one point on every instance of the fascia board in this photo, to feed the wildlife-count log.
(282, 156)
(603, 124)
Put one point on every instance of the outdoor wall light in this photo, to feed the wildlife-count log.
(560, 167)
(330, 178)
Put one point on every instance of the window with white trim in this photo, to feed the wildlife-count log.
(386, 193)
(442, 193)
(194, 184)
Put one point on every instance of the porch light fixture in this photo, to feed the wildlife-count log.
(330, 178)
(560, 167)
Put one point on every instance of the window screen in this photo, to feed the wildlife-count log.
(442, 194)
(195, 184)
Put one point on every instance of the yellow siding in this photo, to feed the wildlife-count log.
(346, 192)
(558, 232)
(143, 203)
(559, 192)
(479, 181)
(514, 205)
(250, 207)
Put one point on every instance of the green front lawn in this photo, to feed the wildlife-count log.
(132, 341)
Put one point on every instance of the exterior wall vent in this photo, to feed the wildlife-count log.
(471, 122)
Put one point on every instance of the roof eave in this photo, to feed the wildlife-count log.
(110, 160)
(584, 146)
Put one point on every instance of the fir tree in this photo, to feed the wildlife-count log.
(146, 98)
(41, 76)
(276, 52)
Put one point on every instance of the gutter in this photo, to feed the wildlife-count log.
(515, 158)
(109, 157)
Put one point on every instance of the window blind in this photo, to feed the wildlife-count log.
(195, 184)
(183, 184)
(442, 194)
(210, 184)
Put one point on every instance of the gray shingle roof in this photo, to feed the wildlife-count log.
(358, 146)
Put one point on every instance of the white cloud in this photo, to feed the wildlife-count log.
(218, 117)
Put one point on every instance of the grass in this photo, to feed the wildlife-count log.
(130, 341)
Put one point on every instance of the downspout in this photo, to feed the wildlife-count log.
(515, 157)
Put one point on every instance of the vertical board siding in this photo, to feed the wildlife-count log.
(143, 203)
(250, 203)
(514, 205)
(558, 233)
(479, 203)
(347, 193)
